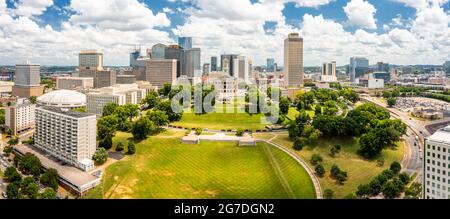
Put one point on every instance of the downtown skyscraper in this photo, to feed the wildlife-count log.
(293, 60)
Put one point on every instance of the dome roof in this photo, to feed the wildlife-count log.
(63, 98)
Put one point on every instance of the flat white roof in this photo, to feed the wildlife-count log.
(442, 135)
(74, 176)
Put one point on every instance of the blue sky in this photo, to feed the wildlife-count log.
(395, 31)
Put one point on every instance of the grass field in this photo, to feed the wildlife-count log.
(359, 170)
(165, 168)
(222, 120)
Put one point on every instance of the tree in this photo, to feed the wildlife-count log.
(13, 141)
(392, 101)
(131, 148)
(166, 106)
(109, 109)
(100, 156)
(159, 118)
(370, 144)
(299, 143)
(106, 142)
(12, 191)
(284, 105)
(142, 128)
(107, 127)
(320, 170)
(165, 90)
(404, 177)
(151, 100)
(33, 99)
(316, 159)
(364, 191)
(120, 147)
(30, 165)
(390, 190)
(338, 174)
(50, 179)
(8, 150)
(48, 193)
(31, 191)
(12, 176)
(395, 167)
(328, 194)
(131, 111)
(335, 150)
(9, 132)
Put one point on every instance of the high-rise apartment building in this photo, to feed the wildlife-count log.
(27, 81)
(293, 60)
(206, 68)
(437, 165)
(160, 72)
(20, 117)
(185, 42)
(67, 135)
(329, 72)
(358, 67)
(214, 63)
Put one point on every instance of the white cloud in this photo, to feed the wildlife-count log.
(422, 4)
(32, 7)
(361, 13)
(116, 14)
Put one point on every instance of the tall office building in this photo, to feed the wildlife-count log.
(191, 63)
(329, 72)
(437, 166)
(214, 63)
(27, 81)
(90, 60)
(446, 67)
(175, 52)
(381, 66)
(68, 135)
(357, 68)
(293, 60)
(185, 42)
(227, 62)
(241, 68)
(206, 69)
(271, 65)
(134, 56)
(91, 66)
(158, 51)
(160, 72)
(20, 117)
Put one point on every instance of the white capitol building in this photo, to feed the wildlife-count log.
(63, 99)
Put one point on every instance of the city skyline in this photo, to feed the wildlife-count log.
(394, 31)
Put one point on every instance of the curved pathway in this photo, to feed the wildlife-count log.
(317, 188)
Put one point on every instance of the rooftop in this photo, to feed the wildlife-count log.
(67, 112)
(62, 97)
(69, 173)
(442, 135)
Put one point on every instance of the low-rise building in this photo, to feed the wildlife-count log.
(126, 79)
(67, 135)
(120, 94)
(20, 117)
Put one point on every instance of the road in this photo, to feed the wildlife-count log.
(414, 139)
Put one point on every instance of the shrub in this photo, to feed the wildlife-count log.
(240, 132)
(131, 148)
(316, 159)
(120, 147)
(320, 170)
(100, 157)
(328, 194)
(395, 167)
(198, 131)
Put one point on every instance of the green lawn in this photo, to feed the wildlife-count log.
(293, 113)
(359, 170)
(222, 120)
(165, 168)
